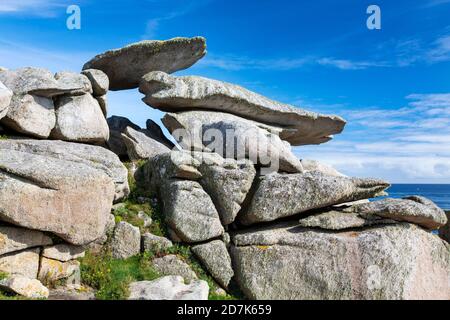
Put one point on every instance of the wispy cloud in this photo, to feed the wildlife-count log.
(406, 144)
(44, 8)
(435, 3)
(349, 64)
(168, 13)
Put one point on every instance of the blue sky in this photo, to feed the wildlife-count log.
(392, 85)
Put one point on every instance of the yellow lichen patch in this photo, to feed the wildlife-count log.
(263, 248)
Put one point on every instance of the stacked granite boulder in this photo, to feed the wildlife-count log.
(255, 215)
(277, 226)
(57, 186)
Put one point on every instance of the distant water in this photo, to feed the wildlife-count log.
(439, 193)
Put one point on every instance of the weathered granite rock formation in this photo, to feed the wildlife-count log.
(63, 252)
(99, 81)
(417, 210)
(389, 262)
(117, 126)
(169, 288)
(232, 137)
(153, 243)
(23, 263)
(341, 220)
(128, 140)
(214, 256)
(80, 119)
(171, 265)
(31, 115)
(5, 99)
(14, 239)
(126, 241)
(69, 199)
(189, 211)
(92, 156)
(127, 65)
(29, 288)
(141, 146)
(173, 94)
(59, 106)
(282, 195)
(227, 182)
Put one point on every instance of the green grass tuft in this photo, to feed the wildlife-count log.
(111, 277)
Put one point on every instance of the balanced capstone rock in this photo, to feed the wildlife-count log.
(174, 94)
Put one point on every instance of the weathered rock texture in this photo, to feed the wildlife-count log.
(214, 256)
(169, 288)
(15, 239)
(126, 241)
(24, 263)
(171, 265)
(31, 115)
(80, 119)
(341, 220)
(300, 127)
(227, 182)
(189, 211)
(283, 195)
(29, 288)
(414, 209)
(92, 156)
(5, 99)
(69, 199)
(126, 66)
(63, 252)
(128, 140)
(232, 137)
(288, 262)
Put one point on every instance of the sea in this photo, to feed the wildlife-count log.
(438, 193)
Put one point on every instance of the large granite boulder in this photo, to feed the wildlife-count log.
(172, 265)
(126, 66)
(69, 199)
(63, 252)
(126, 241)
(142, 146)
(75, 83)
(23, 263)
(415, 209)
(35, 81)
(95, 157)
(31, 115)
(227, 182)
(341, 220)
(169, 288)
(215, 257)
(232, 137)
(189, 211)
(398, 261)
(26, 287)
(80, 119)
(5, 99)
(99, 81)
(282, 195)
(41, 82)
(14, 239)
(173, 94)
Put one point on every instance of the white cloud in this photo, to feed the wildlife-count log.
(410, 144)
(349, 64)
(33, 7)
